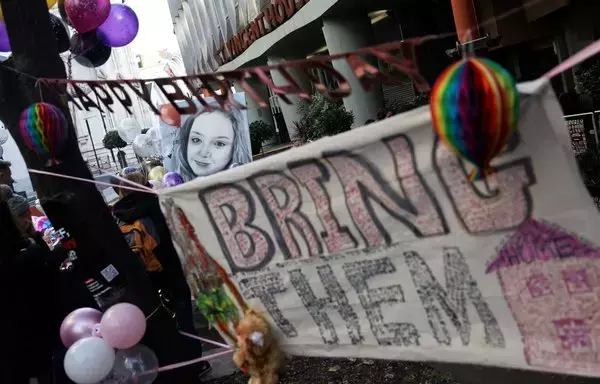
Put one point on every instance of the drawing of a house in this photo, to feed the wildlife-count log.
(551, 281)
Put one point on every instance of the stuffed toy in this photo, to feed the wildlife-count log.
(258, 353)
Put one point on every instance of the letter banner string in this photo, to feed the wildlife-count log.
(399, 55)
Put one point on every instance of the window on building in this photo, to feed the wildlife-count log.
(576, 281)
(539, 286)
(324, 77)
(573, 334)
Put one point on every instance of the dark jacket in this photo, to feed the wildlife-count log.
(28, 292)
(144, 206)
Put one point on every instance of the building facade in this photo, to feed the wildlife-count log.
(92, 125)
(540, 35)
(216, 35)
(527, 36)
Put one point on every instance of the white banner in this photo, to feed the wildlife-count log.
(374, 244)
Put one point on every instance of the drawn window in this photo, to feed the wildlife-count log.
(576, 280)
(539, 286)
(573, 334)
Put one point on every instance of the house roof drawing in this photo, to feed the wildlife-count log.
(536, 240)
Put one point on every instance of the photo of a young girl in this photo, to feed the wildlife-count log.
(210, 142)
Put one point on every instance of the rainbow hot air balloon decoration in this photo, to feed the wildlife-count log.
(44, 129)
(475, 110)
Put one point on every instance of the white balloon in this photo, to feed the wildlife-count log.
(143, 146)
(89, 360)
(3, 136)
(153, 133)
(129, 129)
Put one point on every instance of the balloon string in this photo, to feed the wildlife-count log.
(572, 61)
(134, 184)
(38, 84)
(205, 340)
(137, 188)
(190, 362)
(120, 178)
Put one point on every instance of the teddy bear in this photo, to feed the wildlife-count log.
(258, 353)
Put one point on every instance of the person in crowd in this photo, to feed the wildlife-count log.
(210, 142)
(143, 224)
(28, 283)
(6, 192)
(6, 173)
(20, 209)
(21, 212)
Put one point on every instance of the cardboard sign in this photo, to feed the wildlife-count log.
(374, 244)
(582, 130)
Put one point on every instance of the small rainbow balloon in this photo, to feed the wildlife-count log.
(44, 129)
(475, 110)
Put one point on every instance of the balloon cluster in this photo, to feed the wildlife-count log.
(147, 144)
(100, 27)
(92, 337)
(144, 144)
(159, 178)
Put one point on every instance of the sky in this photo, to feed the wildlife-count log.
(156, 26)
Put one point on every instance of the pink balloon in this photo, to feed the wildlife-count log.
(123, 325)
(87, 15)
(79, 324)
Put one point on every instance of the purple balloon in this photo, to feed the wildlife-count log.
(172, 179)
(4, 40)
(120, 28)
(87, 15)
(79, 324)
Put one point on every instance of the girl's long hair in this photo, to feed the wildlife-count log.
(241, 147)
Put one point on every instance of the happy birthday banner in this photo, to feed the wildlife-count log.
(399, 55)
(378, 246)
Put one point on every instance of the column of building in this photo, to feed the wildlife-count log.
(192, 33)
(175, 10)
(465, 19)
(255, 113)
(290, 112)
(345, 34)
(348, 34)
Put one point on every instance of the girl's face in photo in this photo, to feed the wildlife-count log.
(210, 145)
